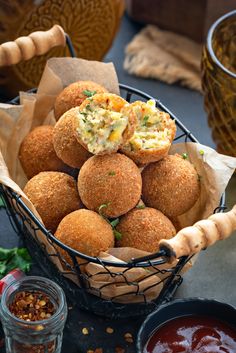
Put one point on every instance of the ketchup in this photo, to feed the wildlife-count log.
(193, 334)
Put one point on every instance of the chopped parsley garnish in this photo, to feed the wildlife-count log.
(185, 156)
(88, 107)
(88, 93)
(201, 152)
(117, 234)
(112, 173)
(140, 207)
(145, 120)
(114, 222)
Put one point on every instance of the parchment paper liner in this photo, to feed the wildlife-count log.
(214, 170)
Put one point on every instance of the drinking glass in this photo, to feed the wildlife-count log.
(219, 82)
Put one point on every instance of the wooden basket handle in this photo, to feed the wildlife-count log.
(191, 240)
(36, 43)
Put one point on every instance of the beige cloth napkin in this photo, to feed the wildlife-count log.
(164, 55)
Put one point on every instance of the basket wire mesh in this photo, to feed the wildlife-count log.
(27, 226)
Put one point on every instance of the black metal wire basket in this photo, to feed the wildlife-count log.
(28, 226)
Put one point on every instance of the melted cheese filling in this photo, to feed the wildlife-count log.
(150, 132)
(101, 129)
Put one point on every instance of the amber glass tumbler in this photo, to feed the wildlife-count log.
(219, 82)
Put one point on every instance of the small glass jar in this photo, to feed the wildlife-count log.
(42, 336)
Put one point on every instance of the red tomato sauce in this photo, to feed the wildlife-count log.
(193, 334)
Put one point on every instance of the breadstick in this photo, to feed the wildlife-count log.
(191, 240)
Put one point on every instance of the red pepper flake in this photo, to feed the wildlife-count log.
(119, 350)
(32, 306)
(128, 337)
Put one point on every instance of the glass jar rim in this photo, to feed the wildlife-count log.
(209, 41)
(53, 318)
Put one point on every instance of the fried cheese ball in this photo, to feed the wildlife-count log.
(74, 94)
(153, 135)
(54, 195)
(144, 228)
(85, 231)
(171, 185)
(103, 124)
(110, 184)
(66, 145)
(37, 153)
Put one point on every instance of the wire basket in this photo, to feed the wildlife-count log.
(27, 226)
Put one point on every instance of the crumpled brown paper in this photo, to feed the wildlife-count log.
(214, 170)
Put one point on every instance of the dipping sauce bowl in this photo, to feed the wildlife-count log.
(193, 325)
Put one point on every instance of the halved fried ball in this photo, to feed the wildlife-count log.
(102, 125)
(171, 185)
(110, 184)
(85, 231)
(74, 94)
(37, 153)
(54, 195)
(144, 228)
(66, 145)
(153, 135)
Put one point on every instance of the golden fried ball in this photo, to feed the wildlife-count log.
(171, 185)
(54, 195)
(37, 153)
(110, 184)
(153, 135)
(74, 94)
(66, 145)
(85, 231)
(144, 228)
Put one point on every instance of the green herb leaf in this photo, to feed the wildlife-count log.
(114, 222)
(88, 107)
(117, 234)
(2, 204)
(201, 152)
(185, 155)
(140, 207)
(88, 93)
(112, 173)
(145, 120)
(14, 258)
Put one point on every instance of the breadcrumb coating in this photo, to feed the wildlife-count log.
(171, 185)
(66, 145)
(85, 231)
(110, 184)
(144, 228)
(74, 94)
(37, 152)
(54, 195)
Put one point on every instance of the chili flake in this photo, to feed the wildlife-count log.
(32, 306)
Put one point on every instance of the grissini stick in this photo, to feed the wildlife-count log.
(191, 240)
(36, 43)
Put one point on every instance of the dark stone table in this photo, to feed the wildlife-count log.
(212, 276)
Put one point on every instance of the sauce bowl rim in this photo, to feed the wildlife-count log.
(172, 302)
